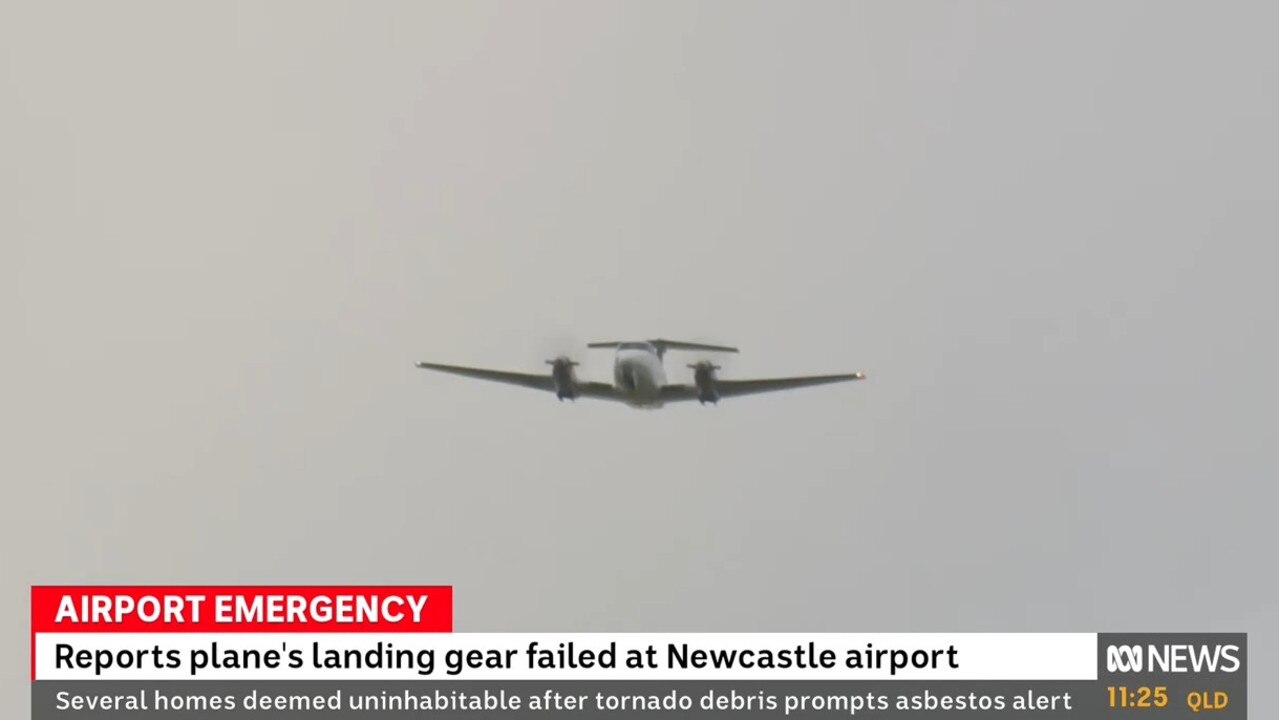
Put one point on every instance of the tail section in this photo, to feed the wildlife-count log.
(661, 346)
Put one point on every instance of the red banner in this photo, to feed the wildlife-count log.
(235, 608)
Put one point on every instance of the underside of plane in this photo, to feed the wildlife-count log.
(639, 377)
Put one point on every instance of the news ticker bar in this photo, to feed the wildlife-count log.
(1175, 698)
(230, 642)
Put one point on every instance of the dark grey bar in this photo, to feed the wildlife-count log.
(906, 699)
(1209, 670)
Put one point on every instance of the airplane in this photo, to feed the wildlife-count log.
(639, 378)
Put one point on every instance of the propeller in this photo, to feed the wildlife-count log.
(705, 364)
(564, 377)
(704, 376)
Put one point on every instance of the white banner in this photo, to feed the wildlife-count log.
(565, 656)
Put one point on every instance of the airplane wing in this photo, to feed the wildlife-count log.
(735, 388)
(597, 390)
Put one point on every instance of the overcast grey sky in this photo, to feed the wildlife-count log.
(1046, 231)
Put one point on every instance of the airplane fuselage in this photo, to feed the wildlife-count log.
(639, 375)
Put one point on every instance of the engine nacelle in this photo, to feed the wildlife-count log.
(565, 377)
(707, 385)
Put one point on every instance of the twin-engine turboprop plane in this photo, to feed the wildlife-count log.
(639, 378)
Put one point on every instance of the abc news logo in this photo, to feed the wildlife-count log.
(1172, 658)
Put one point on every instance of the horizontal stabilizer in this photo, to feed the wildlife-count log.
(663, 345)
